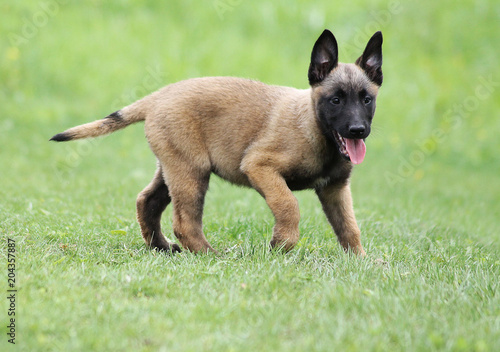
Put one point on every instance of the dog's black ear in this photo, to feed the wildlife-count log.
(371, 60)
(324, 57)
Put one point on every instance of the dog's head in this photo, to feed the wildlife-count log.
(344, 95)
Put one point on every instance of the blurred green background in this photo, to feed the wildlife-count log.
(432, 167)
(64, 63)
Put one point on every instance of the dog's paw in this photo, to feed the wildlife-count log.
(169, 248)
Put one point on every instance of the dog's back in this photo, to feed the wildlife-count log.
(213, 121)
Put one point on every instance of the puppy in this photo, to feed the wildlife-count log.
(271, 138)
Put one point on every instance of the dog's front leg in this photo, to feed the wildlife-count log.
(337, 204)
(280, 199)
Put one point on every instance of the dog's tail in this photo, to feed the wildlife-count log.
(111, 123)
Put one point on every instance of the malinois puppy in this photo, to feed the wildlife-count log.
(274, 139)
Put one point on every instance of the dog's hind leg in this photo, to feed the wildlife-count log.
(151, 203)
(188, 186)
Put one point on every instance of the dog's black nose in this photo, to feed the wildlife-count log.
(357, 131)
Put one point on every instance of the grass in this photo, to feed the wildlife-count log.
(426, 197)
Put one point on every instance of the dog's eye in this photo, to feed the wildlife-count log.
(335, 100)
(367, 100)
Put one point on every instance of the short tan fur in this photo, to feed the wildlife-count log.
(272, 138)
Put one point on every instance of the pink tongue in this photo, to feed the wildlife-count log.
(356, 149)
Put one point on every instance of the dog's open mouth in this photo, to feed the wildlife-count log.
(352, 149)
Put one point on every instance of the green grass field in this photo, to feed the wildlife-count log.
(427, 197)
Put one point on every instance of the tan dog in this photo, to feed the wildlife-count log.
(274, 139)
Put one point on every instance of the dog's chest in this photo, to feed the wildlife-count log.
(333, 170)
